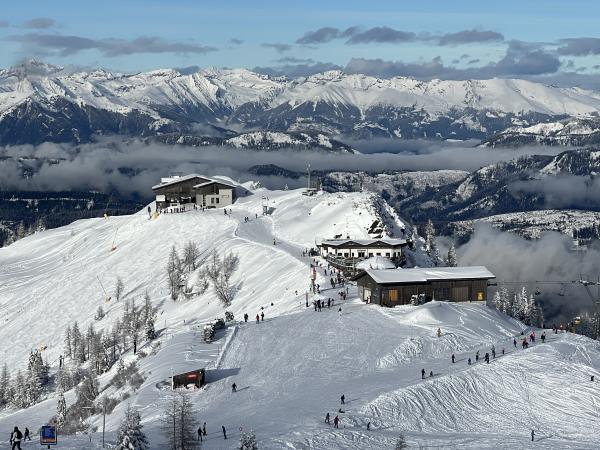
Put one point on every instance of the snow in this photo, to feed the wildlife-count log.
(365, 242)
(423, 275)
(292, 368)
(376, 262)
(223, 90)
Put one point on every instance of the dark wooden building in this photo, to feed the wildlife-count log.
(193, 379)
(193, 189)
(392, 287)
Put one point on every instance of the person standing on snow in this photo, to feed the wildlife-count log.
(15, 438)
(422, 374)
(200, 434)
(224, 432)
(515, 342)
(452, 358)
(336, 420)
(327, 418)
(493, 352)
(257, 318)
(543, 337)
(262, 316)
(469, 361)
(245, 317)
(477, 356)
(532, 435)
(234, 387)
(342, 398)
(439, 332)
(26, 435)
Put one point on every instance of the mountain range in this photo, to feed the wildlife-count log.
(40, 102)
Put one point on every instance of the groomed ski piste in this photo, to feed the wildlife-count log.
(292, 368)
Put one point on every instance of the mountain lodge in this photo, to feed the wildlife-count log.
(391, 287)
(202, 191)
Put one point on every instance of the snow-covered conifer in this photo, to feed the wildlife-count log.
(248, 441)
(130, 435)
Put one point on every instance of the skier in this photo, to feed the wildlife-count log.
(200, 434)
(452, 358)
(477, 356)
(234, 387)
(149, 217)
(336, 420)
(368, 426)
(439, 332)
(469, 361)
(15, 438)
(257, 318)
(422, 374)
(493, 352)
(487, 358)
(503, 351)
(340, 311)
(224, 432)
(315, 305)
(532, 435)
(262, 316)
(204, 428)
(328, 302)
(26, 435)
(327, 418)
(543, 337)
(245, 317)
(515, 342)
(274, 242)
(342, 398)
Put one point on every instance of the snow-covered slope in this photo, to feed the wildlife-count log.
(293, 367)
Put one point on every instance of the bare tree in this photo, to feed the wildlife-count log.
(191, 253)
(219, 271)
(174, 273)
(179, 424)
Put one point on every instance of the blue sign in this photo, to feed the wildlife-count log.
(48, 435)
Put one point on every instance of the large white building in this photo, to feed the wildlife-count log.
(362, 248)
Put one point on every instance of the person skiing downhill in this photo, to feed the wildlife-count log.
(15, 438)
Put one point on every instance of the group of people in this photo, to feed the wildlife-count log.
(202, 431)
(319, 304)
(17, 436)
(259, 317)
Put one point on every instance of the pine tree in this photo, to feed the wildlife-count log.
(130, 435)
(4, 386)
(430, 244)
(248, 441)
(19, 391)
(149, 329)
(119, 288)
(68, 343)
(401, 442)
(451, 258)
(61, 410)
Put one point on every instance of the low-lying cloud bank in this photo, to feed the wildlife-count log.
(521, 262)
(133, 166)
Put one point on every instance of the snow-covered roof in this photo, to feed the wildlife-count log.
(424, 275)
(362, 242)
(377, 263)
(177, 180)
(212, 181)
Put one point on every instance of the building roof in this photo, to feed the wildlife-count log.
(424, 275)
(362, 242)
(179, 180)
(376, 262)
(213, 181)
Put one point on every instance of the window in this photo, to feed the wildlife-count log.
(217, 200)
(393, 294)
(387, 254)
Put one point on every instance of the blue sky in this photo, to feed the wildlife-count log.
(512, 38)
